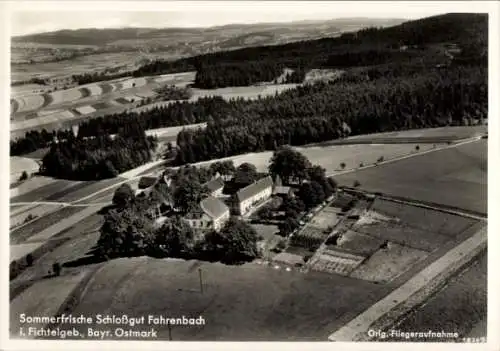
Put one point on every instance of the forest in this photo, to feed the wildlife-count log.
(98, 158)
(414, 88)
(459, 28)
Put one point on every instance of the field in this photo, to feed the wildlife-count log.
(20, 164)
(20, 250)
(330, 157)
(433, 177)
(249, 302)
(44, 298)
(460, 306)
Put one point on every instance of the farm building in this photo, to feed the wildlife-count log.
(215, 186)
(250, 196)
(211, 213)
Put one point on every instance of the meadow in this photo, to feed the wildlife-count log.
(455, 177)
(249, 302)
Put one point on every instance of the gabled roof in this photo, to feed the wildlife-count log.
(254, 189)
(214, 184)
(213, 207)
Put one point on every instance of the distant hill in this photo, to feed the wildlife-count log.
(221, 37)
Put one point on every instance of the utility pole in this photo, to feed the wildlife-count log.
(201, 280)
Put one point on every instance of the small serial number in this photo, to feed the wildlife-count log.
(475, 340)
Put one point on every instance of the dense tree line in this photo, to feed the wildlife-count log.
(236, 74)
(97, 158)
(86, 78)
(373, 99)
(327, 111)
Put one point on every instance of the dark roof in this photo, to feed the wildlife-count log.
(214, 184)
(146, 182)
(213, 207)
(255, 188)
(282, 190)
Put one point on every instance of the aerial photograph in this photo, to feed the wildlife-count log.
(236, 175)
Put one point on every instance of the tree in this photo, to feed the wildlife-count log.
(246, 174)
(417, 147)
(288, 226)
(188, 193)
(23, 176)
(356, 183)
(289, 164)
(293, 205)
(125, 233)
(342, 165)
(175, 238)
(29, 260)
(123, 196)
(380, 159)
(236, 242)
(56, 268)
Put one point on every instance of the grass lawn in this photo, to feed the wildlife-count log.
(386, 264)
(249, 302)
(443, 177)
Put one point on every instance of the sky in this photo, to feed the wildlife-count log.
(36, 17)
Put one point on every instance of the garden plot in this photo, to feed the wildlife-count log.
(67, 95)
(85, 110)
(334, 261)
(387, 264)
(358, 243)
(325, 219)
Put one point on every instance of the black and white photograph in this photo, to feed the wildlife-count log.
(250, 172)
